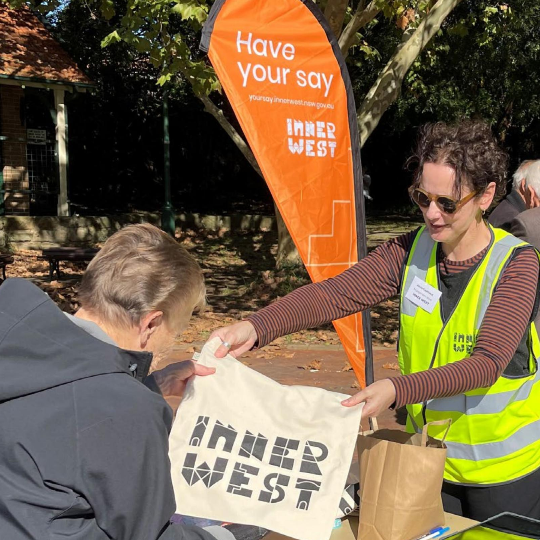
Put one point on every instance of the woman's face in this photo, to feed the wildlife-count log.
(439, 179)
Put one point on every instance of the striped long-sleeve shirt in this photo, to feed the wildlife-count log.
(378, 277)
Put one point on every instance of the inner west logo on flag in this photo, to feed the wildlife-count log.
(245, 449)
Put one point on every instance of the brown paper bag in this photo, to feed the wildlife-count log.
(401, 478)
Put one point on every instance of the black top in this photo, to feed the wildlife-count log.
(507, 210)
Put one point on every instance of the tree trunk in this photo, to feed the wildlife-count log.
(388, 85)
(361, 17)
(287, 254)
(217, 113)
(335, 14)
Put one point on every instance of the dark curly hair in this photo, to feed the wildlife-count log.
(469, 148)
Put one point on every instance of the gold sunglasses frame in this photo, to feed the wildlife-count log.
(435, 198)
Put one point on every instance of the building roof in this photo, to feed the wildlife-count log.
(29, 52)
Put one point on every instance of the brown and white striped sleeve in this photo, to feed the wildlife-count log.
(374, 279)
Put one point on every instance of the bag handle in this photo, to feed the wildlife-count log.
(435, 423)
(373, 426)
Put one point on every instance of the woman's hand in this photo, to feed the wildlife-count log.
(377, 397)
(240, 337)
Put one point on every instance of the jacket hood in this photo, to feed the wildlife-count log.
(41, 348)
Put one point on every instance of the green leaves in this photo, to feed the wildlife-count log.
(107, 9)
(460, 29)
(191, 10)
(164, 79)
(169, 32)
(43, 6)
(113, 37)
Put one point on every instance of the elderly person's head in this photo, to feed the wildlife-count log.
(460, 170)
(141, 288)
(526, 181)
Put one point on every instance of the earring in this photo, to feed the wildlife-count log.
(483, 212)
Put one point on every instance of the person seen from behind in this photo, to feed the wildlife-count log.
(525, 195)
(83, 443)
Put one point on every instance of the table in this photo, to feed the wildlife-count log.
(349, 527)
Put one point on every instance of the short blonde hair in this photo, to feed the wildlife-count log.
(138, 270)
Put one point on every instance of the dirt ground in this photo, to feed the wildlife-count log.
(241, 278)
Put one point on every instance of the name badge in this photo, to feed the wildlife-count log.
(423, 295)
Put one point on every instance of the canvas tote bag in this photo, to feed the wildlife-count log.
(245, 449)
(401, 477)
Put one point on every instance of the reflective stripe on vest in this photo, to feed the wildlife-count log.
(495, 434)
(525, 436)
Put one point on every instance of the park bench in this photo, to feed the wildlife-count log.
(4, 261)
(55, 255)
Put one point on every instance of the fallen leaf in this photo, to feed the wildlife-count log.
(347, 367)
(314, 364)
(391, 365)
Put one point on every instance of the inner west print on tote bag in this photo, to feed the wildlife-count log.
(245, 449)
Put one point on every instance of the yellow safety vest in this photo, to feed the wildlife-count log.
(495, 432)
(485, 533)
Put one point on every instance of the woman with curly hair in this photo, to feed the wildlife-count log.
(468, 349)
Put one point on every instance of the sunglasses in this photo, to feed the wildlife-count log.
(444, 204)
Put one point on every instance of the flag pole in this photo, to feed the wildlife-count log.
(361, 245)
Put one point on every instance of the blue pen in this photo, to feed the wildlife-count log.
(432, 531)
(436, 534)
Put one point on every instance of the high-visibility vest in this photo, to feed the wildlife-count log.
(495, 432)
(485, 533)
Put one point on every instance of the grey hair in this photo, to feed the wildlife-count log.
(140, 269)
(529, 171)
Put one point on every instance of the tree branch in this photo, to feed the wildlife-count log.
(335, 14)
(217, 113)
(362, 16)
(287, 252)
(388, 85)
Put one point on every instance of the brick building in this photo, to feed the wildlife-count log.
(35, 74)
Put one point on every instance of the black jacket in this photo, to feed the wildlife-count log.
(507, 210)
(83, 444)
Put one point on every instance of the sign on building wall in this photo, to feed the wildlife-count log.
(36, 136)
